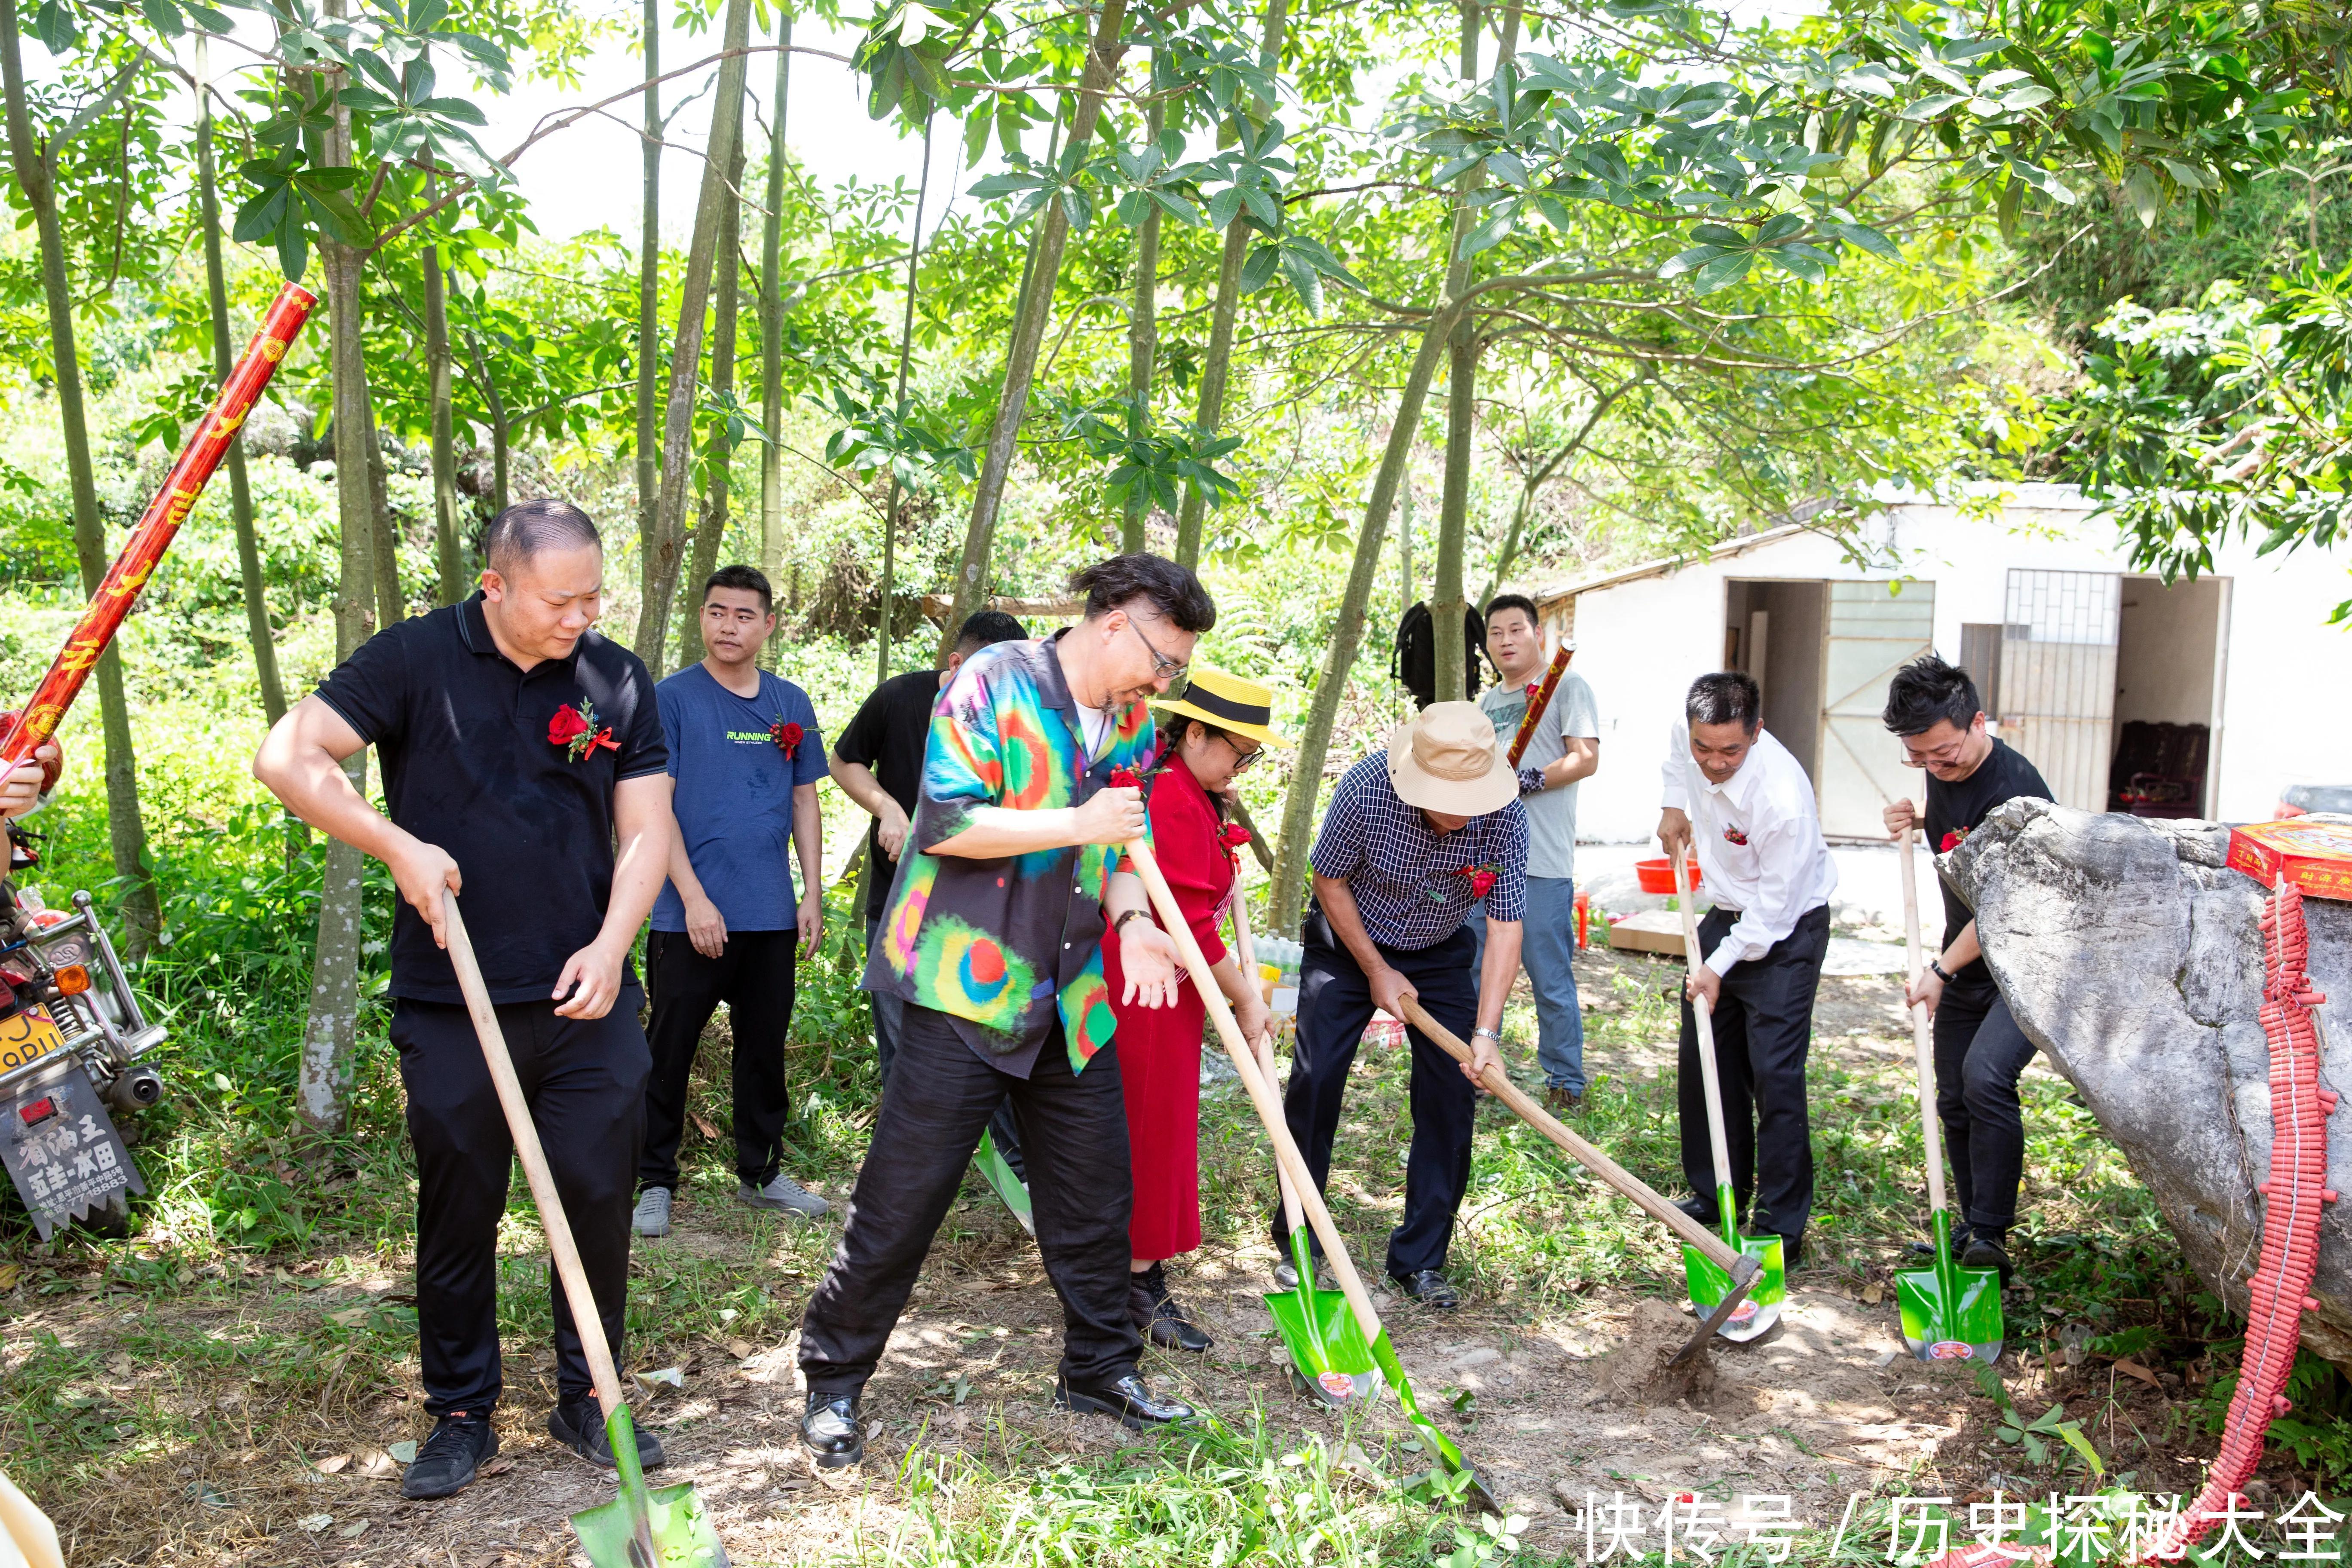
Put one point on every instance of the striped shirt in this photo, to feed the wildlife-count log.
(1413, 888)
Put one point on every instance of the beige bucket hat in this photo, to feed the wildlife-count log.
(1446, 760)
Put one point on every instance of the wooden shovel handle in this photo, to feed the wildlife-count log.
(1923, 1039)
(1246, 954)
(1288, 1159)
(1644, 1196)
(525, 1132)
(1703, 1017)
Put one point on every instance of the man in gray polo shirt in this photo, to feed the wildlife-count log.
(1564, 747)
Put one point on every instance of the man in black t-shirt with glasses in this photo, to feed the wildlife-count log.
(1980, 1052)
(879, 763)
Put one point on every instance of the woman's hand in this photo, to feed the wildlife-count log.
(1253, 1017)
(1147, 959)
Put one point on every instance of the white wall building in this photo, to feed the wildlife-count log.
(2068, 645)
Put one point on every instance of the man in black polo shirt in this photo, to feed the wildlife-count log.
(518, 747)
(1980, 1052)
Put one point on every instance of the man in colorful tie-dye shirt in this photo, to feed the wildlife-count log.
(1010, 882)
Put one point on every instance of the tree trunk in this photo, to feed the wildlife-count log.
(905, 354)
(448, 551)
(1447, 606)
(331, 1032)
(240, 490)
(1142, 346)
(649, 307)
(140, 912)
(1029, 330)
(390, 604)
(771, 327)
(710, 536)
(1347, 636)
(497, 405)
(667, 555)
(1191, 509)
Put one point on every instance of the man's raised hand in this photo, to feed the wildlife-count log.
(1388, 989)
(1673, 830)
(1113, 815)
(1899, 816)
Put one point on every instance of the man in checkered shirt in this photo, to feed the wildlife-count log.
(1414, 838)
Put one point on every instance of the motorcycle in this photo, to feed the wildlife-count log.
(71, 1037)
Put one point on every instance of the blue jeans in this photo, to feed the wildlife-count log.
(1548, 952)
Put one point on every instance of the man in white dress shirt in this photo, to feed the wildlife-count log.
(1740, 798)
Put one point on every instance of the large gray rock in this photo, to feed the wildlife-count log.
(2132, 955)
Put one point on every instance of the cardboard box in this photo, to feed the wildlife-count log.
(2315, 857)
(1652, 930)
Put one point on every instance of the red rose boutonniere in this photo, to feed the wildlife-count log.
(576, 730)
(1733, 836)
(1482, 877)
(1951, 840)
(787, 737)
(1231, 837)
(1124, 778)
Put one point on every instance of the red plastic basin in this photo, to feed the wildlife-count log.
(1658, 875)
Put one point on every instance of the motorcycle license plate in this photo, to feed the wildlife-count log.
(27, 1037)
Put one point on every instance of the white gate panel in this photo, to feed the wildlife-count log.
(2058, 678)
(1871, 630)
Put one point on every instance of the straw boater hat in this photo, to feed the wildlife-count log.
(1446, 760)
(1236, 706)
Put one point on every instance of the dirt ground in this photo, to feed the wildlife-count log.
(1826, 1405)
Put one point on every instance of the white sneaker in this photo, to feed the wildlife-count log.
(783, 1193)
(652, 1215)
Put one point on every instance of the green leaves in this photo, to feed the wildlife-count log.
(1724, 255)
(292, 198)
(1302, 261)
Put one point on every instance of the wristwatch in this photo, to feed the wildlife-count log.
(1942, 974)
(1126, 915)
(1494, 1035)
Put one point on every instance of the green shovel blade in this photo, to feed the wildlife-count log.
(682, 1534)
(1708, 1285)
(998, 1174)
(677, 1532)
(1327, 1348)
(1963, 1323)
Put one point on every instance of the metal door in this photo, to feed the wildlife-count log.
(1871, 630)
(2057, 689)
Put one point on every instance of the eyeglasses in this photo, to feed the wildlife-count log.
(1162, 667)
(1243, 760)
(1941, 756)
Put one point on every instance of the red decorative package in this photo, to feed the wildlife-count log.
(2315, 857)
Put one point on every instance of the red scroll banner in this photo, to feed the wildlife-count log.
(152, 536)
(1539, 702)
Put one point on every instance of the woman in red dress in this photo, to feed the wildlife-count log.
(1214, 732)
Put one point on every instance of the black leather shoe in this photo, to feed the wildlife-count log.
(830, 1431)
(579, 1426)
(1127, 1397)
(1792, 1252)
(1431, 1289)
(1985, 1252)
(461, 1443)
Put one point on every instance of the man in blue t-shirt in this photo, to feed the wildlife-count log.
(744, 758)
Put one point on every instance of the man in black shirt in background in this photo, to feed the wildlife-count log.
(1980, 1052)
(879, 763)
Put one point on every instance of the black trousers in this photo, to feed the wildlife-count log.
(941, 1095)
(586, 1081)
(889, 1013)
(1980, 1052)
(1763, 1031)
(1335, 1004)
(753, 976)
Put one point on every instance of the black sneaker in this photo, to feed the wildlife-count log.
(579, 1426)
(1160, 1318)
(1701, 1210)
(461, 1443)
(1428, 1288)
(1986, 1251)
(830, 1431)
(1962, 1234)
